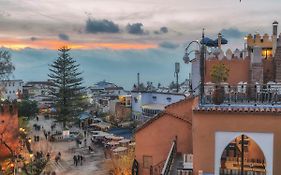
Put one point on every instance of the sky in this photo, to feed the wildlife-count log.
(113, 40)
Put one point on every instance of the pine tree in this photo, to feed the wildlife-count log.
(66, 87)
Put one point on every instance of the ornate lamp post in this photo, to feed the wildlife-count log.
(187, 59)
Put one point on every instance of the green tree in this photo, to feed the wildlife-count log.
(27, 108)
(6, 67)
(66, 87)
(219, 73)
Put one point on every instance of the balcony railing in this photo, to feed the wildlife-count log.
(238, 172)
(167, 166)
(243, 93)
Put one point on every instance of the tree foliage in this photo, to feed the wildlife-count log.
(6, 67)
(219, 73)
(27, 108)
(66, 86)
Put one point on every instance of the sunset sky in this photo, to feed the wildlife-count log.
(115, 39)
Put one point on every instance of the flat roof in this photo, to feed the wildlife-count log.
(154, 106)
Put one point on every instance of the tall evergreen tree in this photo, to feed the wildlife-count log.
(66, 86)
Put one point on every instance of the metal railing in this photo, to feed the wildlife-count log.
(257, 94)
(170, 158)
(156, 169)
(224, 171)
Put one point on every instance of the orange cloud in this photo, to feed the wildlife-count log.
(18, 44)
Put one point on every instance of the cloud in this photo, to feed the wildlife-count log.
(135, 28)
(232, 33)
(63, 37)
(34, 38)
(168, 45)
(101, 26)
(162, 30)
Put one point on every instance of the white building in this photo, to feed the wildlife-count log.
(145, 105)
(11, 89)
(38, 91)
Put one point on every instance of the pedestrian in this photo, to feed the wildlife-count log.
(78, 159)
(85, 133)
(37, 118)
(75, 160)
(81, 160)
(57, 159)
(59, 154)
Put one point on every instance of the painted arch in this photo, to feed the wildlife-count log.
(263, 140)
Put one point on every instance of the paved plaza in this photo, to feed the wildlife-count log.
(94, 162)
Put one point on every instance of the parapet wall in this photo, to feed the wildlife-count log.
(8, 129)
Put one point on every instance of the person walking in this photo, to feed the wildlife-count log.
(81, 160)
(75, 160)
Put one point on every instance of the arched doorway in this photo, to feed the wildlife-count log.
(242, 156)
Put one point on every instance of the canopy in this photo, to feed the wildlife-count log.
(124, 141)
(120, 149)
(208, 42)
(223, 41)
(112, 143)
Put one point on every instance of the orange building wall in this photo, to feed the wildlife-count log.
(206, 124)
(156, 139)
(239, 69)
(9, 128)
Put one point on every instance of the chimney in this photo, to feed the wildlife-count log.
(219, 40)
(274, 36)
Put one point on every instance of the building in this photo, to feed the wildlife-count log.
(257, 62)
(39, 91)
(240, 134)
(12, 89)
(146, 104)
(103, 94)
(155, 137)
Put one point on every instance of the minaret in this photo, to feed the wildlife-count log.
(274, 36)
(219, 40)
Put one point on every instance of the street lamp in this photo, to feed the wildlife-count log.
(187, 59)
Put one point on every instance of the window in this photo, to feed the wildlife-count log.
(147, 161)
(154, 98)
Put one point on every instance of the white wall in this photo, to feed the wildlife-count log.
(147, 98)
(10, 89)
(264, 140)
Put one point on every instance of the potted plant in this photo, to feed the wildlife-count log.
(219, 74)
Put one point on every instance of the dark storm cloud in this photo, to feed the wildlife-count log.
(232, 33)
(34, 38)
(63, 36)
(162, 30)
(135, 28)
(101, 26)
(168, 45)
